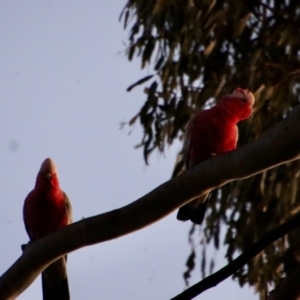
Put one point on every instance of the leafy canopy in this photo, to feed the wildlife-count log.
(199, 50)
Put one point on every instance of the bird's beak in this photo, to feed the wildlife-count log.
(48, 175)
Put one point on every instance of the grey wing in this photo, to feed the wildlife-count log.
(68, 207)
(186, 149)
(29, 196)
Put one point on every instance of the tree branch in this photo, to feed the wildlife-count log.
(241, 260)
(277, 146)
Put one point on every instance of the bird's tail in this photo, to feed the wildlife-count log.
(55, 281)
(58, 293)
(194, 210)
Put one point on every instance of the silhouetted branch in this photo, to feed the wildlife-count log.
(241, 260)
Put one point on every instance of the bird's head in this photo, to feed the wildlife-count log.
(244, 95)
(47, 174)
(240, 102)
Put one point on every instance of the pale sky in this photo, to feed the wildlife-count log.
(63, 81)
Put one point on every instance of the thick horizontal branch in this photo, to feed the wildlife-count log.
(243, 259)
(277, 146)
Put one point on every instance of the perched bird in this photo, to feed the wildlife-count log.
(212, 132)
(46, 209)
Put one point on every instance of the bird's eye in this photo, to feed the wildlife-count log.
(243, 100)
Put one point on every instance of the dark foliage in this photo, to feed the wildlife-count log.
(199, 51)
